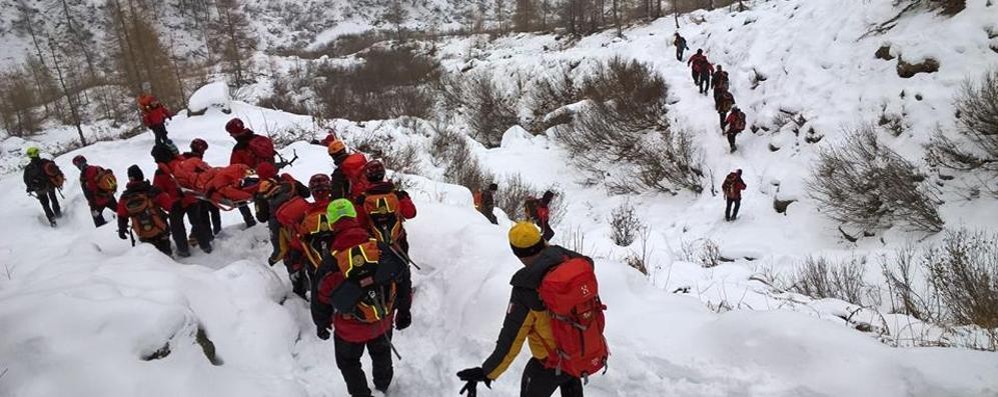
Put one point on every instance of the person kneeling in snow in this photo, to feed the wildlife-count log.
(146, 207)
(564, 330)
(360, 290)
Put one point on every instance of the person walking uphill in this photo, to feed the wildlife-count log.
(736, 124)
(42, 177)
(696, 63)
(485, 202)
(99, 185)
(732, 188)
(250, 150)
(539, 211)
(360, 290)
(724, 101)
(555, 307)
(144, 205)
(680, 43)
(154, 116)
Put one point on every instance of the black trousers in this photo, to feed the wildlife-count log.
(679, 53)
(704, 82)
(731, 140)
(275, 238)
(97, 211)
(723, 116)
(50, 203)
(161, 243)
(542, 382)
(177, 227)
(696, 76)
(348, 361)
(247, 214)
(731, 209)
(197, 214)
(159, 131)
(216, 218)
(490, 215)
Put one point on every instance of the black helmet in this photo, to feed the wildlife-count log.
(199, 145)
(79, 161)
(375, 171)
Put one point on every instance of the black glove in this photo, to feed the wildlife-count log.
(262, 218)
(403, 320)
(401, 194)
(322, 333)
(472, 376)
(122, 234)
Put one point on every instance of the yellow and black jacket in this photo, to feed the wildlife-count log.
(526, 317)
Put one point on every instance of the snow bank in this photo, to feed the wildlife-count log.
(211, 96)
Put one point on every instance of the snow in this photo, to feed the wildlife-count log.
(214, 95)
(77, 305)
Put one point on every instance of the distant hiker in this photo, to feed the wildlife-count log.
(724, 101)
(385, 209)
(348, 177)
(706, 71)
(99, 186)
(696, 63)
(361, 289)
(273, 191)
(144, 205)
(485, 202)
(252, 150)
(732, 188)
(154, 116)
(42, 177)
(198, 148)
(736, 124)
(680, 43)
(555, 307)
(719, 80)
(539, 211)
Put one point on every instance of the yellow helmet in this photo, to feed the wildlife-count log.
(525, 239)
(32, 152)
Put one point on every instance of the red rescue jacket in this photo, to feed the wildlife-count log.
(733, 186)
(252, 150)
(95, 196)
(697, 61)
(153, 112)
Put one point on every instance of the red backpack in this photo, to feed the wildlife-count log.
(571, 295)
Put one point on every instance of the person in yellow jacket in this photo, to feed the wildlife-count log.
(527, 320)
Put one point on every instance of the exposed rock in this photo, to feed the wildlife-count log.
(908, 70)
(884, 53)
(781, 205)
(208, 347)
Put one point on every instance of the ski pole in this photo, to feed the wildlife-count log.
(132, 235)
(404, 257)
(60, 193)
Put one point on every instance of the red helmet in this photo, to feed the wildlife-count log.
(320, 182)
(199, 145)
(235, 127)
(375, 171)
(79, 161)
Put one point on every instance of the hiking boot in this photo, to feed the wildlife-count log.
(184, 253)
(52, 222)
(274, 258)
(206, 249)
(250, 222)
(193, 242)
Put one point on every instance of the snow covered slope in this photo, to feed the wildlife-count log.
(80, 309)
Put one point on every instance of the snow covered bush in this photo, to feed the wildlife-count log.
(819, 278)
(960, 283)
(702, 251)
(964, 272)
(390, 83)
(977, 147)
(490, 112)
(621, 128)
(865, 183)
(624, 225)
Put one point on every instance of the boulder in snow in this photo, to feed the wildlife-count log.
(214, 95)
